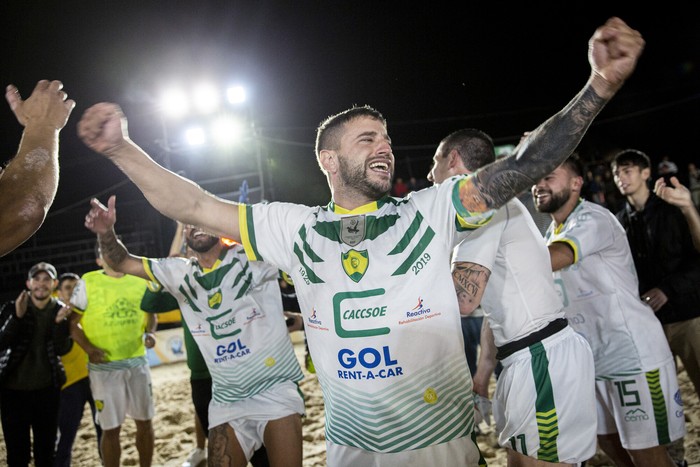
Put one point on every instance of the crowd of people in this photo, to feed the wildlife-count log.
(581, 326)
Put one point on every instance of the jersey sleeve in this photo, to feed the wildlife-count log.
(481, 245)
(589, 232)
(79, 297)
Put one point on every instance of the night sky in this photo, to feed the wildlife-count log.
(430, 69)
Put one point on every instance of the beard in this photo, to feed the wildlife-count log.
(357, 179)
(556, 201)
(202, 244)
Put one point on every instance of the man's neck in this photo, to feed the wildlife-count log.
(40, 304)
(561, 214)
(208, 258)
(639, 198)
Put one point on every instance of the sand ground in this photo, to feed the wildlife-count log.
(174, 424)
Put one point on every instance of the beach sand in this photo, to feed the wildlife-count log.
(174, 424)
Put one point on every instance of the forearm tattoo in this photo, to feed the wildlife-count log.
(540, 153)
(112, 250)
(470, 280)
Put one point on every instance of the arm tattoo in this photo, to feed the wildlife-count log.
(539, 154)
(113, 251)
(470, 281)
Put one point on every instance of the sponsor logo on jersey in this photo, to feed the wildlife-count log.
(636, 415)
(198, 330)
(355, 264)
(418, 313)
(253, 315)
(234, 349)
(223, 325)
(352, 230)
(315, 322)
(368, 363)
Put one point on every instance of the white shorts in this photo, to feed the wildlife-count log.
(645, 409)
(119, 393)
(462, 451)
(249, 417)
(545, 399)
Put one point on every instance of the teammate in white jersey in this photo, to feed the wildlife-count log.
(372, 272)
(545, 392)
(639, 403)
(233, 309)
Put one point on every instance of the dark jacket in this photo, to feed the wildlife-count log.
(664, 257)
(16, 335)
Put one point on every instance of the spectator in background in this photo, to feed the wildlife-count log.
(29, 181)
(400, 189)
(665, 258)
(76, 392)
(667, 168)
(108, 323)
(33, 333)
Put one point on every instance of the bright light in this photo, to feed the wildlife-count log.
(206, 98)
(235, 94)
(227, 131)
(195, 136)
(174, 103)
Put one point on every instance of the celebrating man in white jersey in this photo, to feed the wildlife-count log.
(545, 392)
(639, 403)
(233, 309)
(372, 272)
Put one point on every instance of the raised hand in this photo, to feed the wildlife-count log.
(103, 128)
(47, 106)
(613, 51)
(677, 194)
(21, 304)
(101, 219)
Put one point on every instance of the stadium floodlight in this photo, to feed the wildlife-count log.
(195, 136)
(235, 94)
(174, 103)
(205, 98)
(227, 131)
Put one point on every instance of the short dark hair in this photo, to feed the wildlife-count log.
(67, 276)
(475, 147)
(631, 157)
(328, 132)
(574, 165)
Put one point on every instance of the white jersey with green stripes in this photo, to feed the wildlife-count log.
(601, 297)
(520, 297)
(234, 313)
(380, 311)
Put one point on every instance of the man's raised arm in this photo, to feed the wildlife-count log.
(103, 128)
(28, 184)
(613, 51)
(100, 220)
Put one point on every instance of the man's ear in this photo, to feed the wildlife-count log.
(646, 173)
(577, 184)
(329, 160)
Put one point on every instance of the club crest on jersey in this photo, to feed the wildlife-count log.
(214, 300)
(355, 264)
(352, 230)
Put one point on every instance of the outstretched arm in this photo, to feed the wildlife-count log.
(28, 184)
(103, 128)
(613, 53)
(100, 220)
(679, 195)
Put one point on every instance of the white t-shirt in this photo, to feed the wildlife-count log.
(600, 294)
(520, 297)
(234, 312)
(380, 311)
